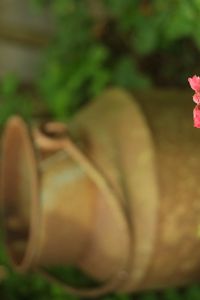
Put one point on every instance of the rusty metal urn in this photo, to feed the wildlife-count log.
(115, 193)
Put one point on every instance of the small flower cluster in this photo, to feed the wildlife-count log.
(195, 85)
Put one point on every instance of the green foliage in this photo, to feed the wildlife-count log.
(172, 294)
(153, 25)
(192, 293)
(12, 101)
(74, 69)
(126, 74)
(148, 296)
(72, 276)
(34, 287)
(120, 47)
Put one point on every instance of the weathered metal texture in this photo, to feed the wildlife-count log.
(75, 206)
(150, 155)
(123, 201)
(115, 136)
(176, 257)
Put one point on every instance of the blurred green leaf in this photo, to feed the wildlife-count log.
(9, 85)
(126, 75)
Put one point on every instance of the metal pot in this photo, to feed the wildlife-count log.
(114, 193)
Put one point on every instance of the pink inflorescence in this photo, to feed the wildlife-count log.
(196, 116)
(195, 85)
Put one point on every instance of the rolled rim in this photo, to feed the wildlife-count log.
(19, 194)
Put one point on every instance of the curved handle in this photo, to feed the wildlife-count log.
(50, 137)
(107, 287)
(53, 137)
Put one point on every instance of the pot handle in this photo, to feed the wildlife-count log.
(93, 292)
(54, 137)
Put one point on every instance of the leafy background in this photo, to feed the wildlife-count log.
(136, 44)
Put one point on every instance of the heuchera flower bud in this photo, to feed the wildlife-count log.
(196, 115)
(196, 98)
(195, 85)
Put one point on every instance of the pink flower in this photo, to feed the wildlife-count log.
(195, 83)
(196, 98)
(196, 115)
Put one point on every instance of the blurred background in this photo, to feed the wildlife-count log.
(56, 56)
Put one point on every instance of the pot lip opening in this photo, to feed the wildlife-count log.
(16, 137)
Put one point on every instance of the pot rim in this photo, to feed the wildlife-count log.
(16, 137)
